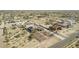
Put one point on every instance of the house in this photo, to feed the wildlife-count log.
(29, 29)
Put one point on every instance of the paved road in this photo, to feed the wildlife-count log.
(65, 42)
(2, 45)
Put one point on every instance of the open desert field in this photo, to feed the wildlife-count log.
(39, 29)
